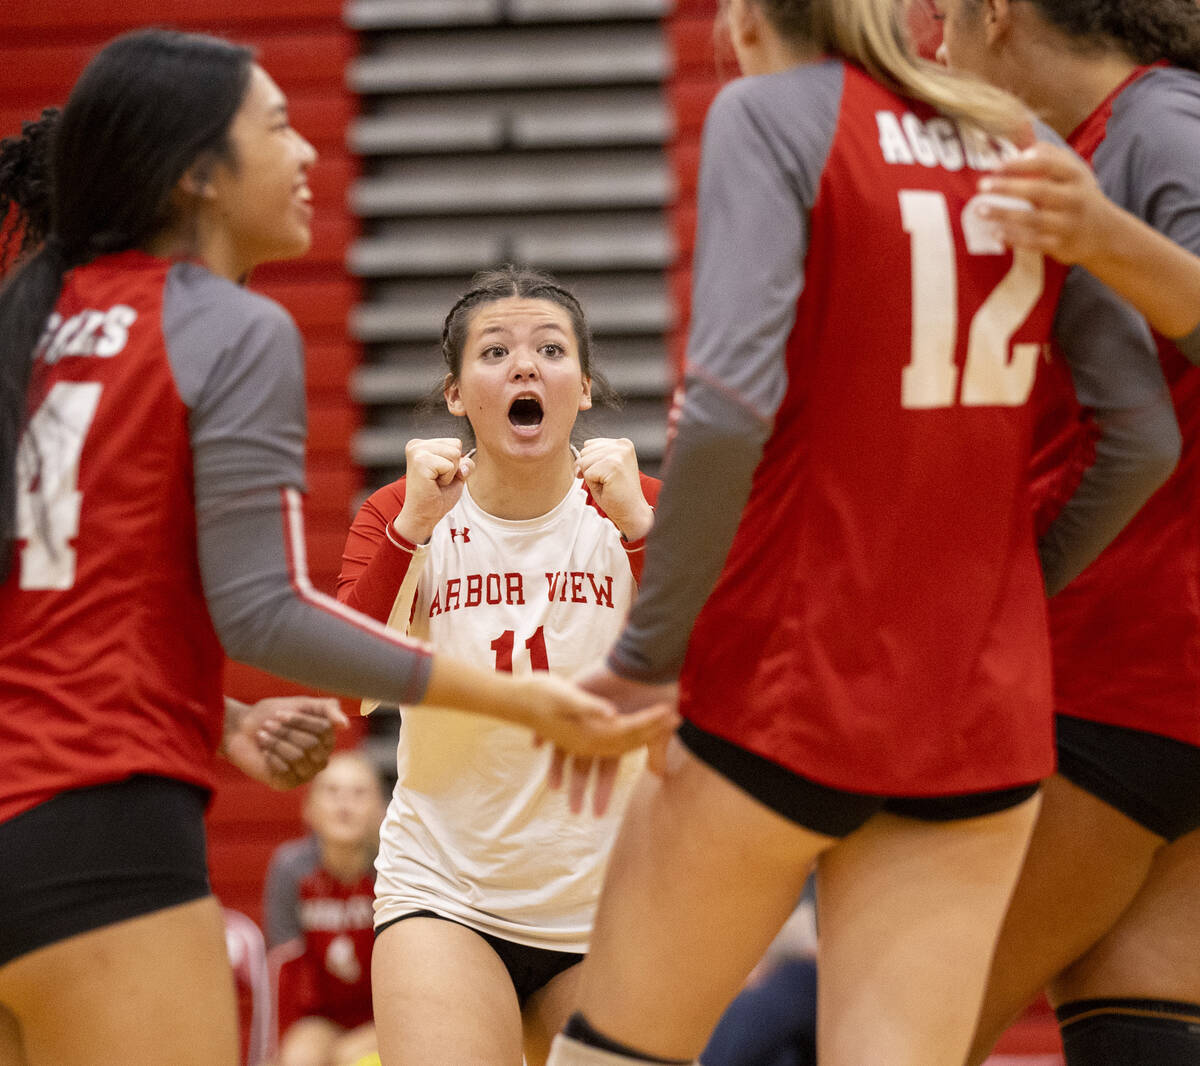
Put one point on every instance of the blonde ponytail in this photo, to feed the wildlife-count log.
(869, 33)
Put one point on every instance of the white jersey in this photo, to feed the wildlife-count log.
(472, 831)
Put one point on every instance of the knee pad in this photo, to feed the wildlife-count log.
(1130, 1032)
(581, 1045)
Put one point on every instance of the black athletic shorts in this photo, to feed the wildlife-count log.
(1152, 779)
(90, 857)
(831, 811)
(530, 968)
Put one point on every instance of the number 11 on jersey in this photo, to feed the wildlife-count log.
(535, 645)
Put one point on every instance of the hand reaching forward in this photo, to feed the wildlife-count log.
(633, 699)
(283, 741)
(610, 471)
(435, 472)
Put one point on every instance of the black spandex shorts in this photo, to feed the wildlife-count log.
(831, 811)
(94, 856)
(1154, 780)
(529, 968)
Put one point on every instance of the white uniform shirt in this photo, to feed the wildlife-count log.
(472, 831)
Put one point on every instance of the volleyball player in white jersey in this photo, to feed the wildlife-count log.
(523, 554)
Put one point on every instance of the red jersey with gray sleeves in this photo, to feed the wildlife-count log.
(327, 972)
(1126, 633)
(861, 357)
(159, 507)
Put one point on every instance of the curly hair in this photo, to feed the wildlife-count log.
(1148, 30)
(25, 188)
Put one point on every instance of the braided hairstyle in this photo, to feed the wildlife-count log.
(151, 105)
(507, 281)
(1148, 30)
(25, 189)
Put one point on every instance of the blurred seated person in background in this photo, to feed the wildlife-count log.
(325, 974)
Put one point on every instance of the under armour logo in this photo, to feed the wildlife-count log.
(465, 533)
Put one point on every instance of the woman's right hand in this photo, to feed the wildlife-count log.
(589, 736)
(589, 728)
(435, 472)
(580, 723)
(574, 721)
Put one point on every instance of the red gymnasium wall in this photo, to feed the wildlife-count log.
(701, 66)
(303, 44)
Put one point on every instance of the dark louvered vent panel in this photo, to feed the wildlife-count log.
(526, 131)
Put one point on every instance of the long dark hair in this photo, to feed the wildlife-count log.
(96, 179)
(1149, 30)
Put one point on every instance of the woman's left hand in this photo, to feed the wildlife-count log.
(609, 468)
(283, 741)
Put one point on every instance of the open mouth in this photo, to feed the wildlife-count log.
(525, 411)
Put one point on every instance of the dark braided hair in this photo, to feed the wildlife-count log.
(507, 281)
(1148, 30)
(25, 189)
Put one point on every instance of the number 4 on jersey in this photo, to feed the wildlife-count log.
(990, 375)
(48, 497)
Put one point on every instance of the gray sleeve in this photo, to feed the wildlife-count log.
(1149, 161)
(268, 616)
(766, 141)
(244, 390)
(245, 395)
(1115, 369)
(290, 863)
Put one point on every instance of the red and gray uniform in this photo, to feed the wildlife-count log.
(1126, 632)
(329, 973)
(868, 605)
(162, 522)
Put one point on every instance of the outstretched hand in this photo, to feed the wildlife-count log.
(283, 741)
(651, 707)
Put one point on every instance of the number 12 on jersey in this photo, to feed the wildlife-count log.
(991, 376)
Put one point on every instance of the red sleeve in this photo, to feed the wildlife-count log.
(375, 559)
(636, 549)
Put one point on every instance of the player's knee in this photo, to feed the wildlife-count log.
(579, 1044)
(1130, 1032)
